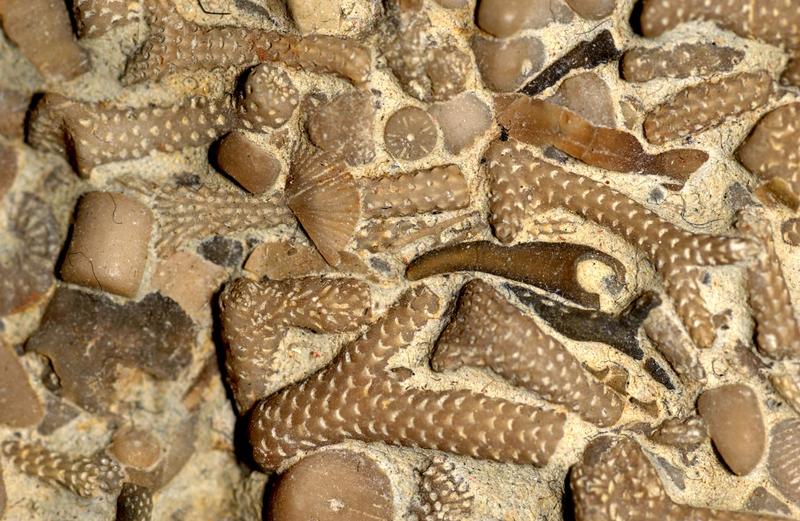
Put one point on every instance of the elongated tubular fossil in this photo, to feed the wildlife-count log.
(620, 331)
(176, 44)
(684, 289)
(542, 123)
(439, 189)
(488, 331)
(256, 316)
(548, 265)
(358, 397)
(682, 61)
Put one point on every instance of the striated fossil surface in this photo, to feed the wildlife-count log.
(433, 260)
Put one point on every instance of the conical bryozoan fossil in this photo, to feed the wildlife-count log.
(489, 331)
(256, 316)
(614, 480)
(549, 265)
(324, 197)
(176, 44)
(358, 397)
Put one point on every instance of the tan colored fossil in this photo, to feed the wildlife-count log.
(438, 189)
(684, 60)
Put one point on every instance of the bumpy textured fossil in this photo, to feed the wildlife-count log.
(541, 123)
(687, 433)
(614, 477)
(443, 493)
(94, 18)
(790, 230)
(256, 316)
(784, 458)
(488, 331)
(771, 150)
(684, 289)
(551, 266)
(267, 99)
(707, 105)
(682, 61)
(777, 326)
(394, 235)
(85, 476)
(331, 405)
(179, 45)
(438, 189)
(135, 503)
(673, 342)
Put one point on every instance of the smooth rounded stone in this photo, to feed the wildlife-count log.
(463, 120)
(135, 448)
(19, 404)
(189, 280)
(335, 485)
(735, 425)
(503, 18)
(249, 164)
(589, 96)
(505, 65)
(322, 16)
(593, 9)
(410, 133)
(784, 458)
(109, 245)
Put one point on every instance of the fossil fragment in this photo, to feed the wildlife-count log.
(551, 266)
(503, 18)
(658, 373)
(735, 425)
(179, 45)
(541, 123)
(28, 252)
(459, 421)
(153, 334)
(285, 260)
(188, 280)
(615, 476)
(94, 18)
(109, 244)
(771, 150)
(684, 289)
(267, 99)
(505, 64)
(540, 185)
(682, 61)
(427, 66)
(343, 127)
(762, 501)
(42, 31)
(790, 230)
(324, 197)
(189, 210)
(587, 95)
(85, 476)
(586, 55)
(777, 326)
(673, 342)
(256, 315)
(784, 458)
(8, 167)
(332, 485)
(463, 120)
(394, 235)
(488, 331)
(251, 166)
(134, 503)
(788, 387)
(438, 189)
(410, 134)
(443, 493)
(706, 105)
(620, 330)
(93, 134)
(685, 433)
(19, 405)
(13, 106)
(135, 448)
(3, 496)
(593, 9)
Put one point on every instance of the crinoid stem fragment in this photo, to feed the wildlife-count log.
(682, 61)
(684, 290)
(357, 397)
(256, 316)
(438, 189)
(549, 265)
(92, 134)
(707, 105)
(542, 123)
(620, 330)
(777, 326)
(615, 476)
(179, 45)
(488, 331)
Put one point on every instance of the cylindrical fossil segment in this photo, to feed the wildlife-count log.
(438, 189)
